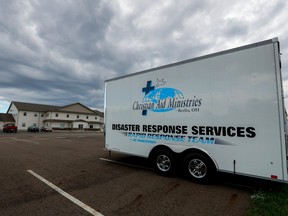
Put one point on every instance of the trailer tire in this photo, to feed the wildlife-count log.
(163, 162)
(199, 168)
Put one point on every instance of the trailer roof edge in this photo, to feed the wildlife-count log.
(272, 40)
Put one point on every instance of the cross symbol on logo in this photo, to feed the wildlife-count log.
(148, 87)
(146, 90)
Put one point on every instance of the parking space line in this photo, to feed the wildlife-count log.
(68, 196)
(23, 140)
(126, 164)
(64, 138)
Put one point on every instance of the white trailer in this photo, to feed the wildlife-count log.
(220, 112)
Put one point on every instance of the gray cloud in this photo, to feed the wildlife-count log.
(60, 52)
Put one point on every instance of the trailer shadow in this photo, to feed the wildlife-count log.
(223, 179)
(246, 183)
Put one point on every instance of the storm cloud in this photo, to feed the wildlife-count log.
(61, 52)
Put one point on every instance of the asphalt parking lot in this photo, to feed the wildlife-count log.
(63, 173)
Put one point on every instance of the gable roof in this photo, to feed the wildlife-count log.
(21, 106)
(99, 113)
(6, 117)
(72, 108)
(76, 108)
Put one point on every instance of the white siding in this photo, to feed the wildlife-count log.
(14, 111)
(56, 119)
(28, 118)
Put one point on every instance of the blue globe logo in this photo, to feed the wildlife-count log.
(163, 97)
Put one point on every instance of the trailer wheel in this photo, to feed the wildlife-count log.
(163, 162)
(199, 168)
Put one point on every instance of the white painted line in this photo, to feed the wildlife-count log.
(126, 164)
(23, 140)
(68, 196)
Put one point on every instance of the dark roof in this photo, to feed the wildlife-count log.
(34, 107)
(6, 117)
(22, 106)
(99, 113)
(64, 109)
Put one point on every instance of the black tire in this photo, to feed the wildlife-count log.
(199, 168)
(163, 162)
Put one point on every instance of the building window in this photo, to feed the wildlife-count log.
(77, 116)
(56, 114)
(91, 126)
(96, 117)
(67, 115)
(35, 114)
(23, 124)
(87, 117)
(42, 115)
(25, 114)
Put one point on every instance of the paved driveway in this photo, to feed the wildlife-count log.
(77, 165)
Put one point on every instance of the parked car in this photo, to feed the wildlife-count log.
(10, 127)
(33, 128)
(46, 129)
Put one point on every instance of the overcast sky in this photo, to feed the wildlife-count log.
(60, 52)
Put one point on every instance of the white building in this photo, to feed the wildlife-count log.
(72, 116)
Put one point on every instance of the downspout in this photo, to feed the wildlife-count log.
(51, 119)
(17, 118)
(39, 119)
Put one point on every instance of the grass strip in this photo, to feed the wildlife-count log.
(270, 202)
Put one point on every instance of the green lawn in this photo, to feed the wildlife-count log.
(270, 202)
